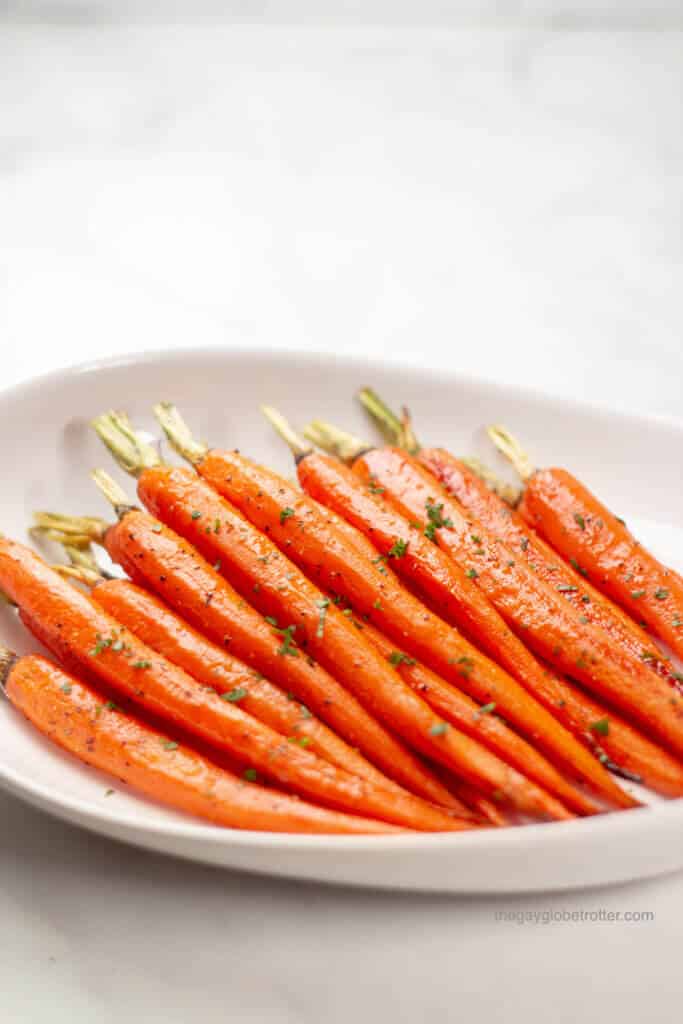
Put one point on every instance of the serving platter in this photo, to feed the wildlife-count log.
(631, 462)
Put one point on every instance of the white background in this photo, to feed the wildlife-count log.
(493, 187)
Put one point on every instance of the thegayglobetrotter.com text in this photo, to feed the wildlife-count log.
(558, 915)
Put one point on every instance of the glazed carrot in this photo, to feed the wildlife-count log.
(580, 528)
(79, 629)
(554, 631)
(165, 632)
(293, 521)
(481, 768)
(159, 559)
(623, 750)
(76, 717)
(188, 504)
(481, 502)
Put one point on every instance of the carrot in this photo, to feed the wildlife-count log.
(483, 769)
(480, 501)
(76, 717)
(343, 489)
(294, 522)
(188, 504)
(159, 559)
(165, 632)
(584, 531)
(75, 626)
(554, 631)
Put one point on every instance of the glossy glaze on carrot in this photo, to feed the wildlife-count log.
(322, 552)
(552, 629)
(168, 634)
(158, 558)
(116, 656)
(79, 719)
(247, 556)
(480, 501)
(579, 527)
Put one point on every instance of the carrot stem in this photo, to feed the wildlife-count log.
(509, 446)
(296, 444)
(178, 433)
(132, 453)
(89, 527)
(337, 442)
(113, 492)
(390, 426)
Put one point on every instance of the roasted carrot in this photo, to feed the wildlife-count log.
(166, 633)
(480, 501)
(76, 627)
(618, 745)
(76, 717)
(157, 558)
(554, 630)
(294, 522)
(482, 768)
(189, 505)
(584, 531)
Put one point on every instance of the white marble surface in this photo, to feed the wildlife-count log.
(502, 196)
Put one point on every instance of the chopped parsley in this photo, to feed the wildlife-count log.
(438, 729)
(157, 528)
(66, 688)
(288, 645)
(578, 518)
(169, 744)
(250, 774)
(486, 709)
(601, 726)
(566, 588)
(101, 645)
(142, 664)
(374, 487)
(398, 549)
(472, 574)
(637, 594)
(399, 658)
(301, 741)
(524, 543)
(436, 519)
(235, 696)
(196, 515)
(661, 594)
(286, 513)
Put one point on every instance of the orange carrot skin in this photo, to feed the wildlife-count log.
(162, 630)
(345, 489)
(624, 745)
(578, 526)
(76, 717)
(85, 632)
(484, 770)
(198, 513)
(481, 503)
(157, 558)
(338, 566)
(549, 626)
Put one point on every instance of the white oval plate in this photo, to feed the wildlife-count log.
(46, 453)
